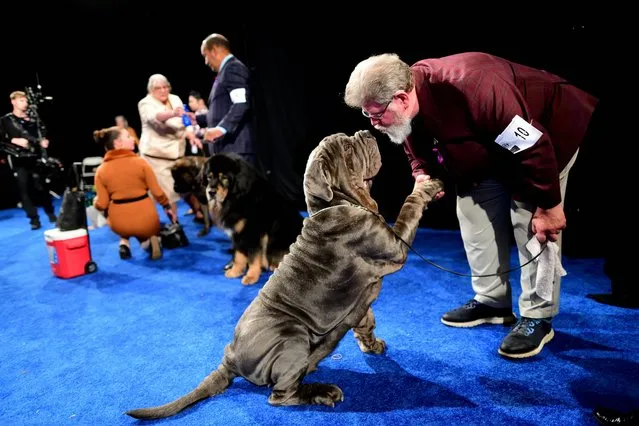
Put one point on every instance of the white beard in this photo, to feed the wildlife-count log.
(397, 133)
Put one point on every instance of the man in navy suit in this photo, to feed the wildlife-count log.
(229, 127)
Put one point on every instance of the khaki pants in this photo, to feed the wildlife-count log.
(488, 216)
(162, 169)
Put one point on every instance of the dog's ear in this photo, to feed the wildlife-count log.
(317, 180)
(242, 177)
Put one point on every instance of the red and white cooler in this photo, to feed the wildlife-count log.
(69, 252)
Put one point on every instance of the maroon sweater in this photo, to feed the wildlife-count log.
(466, 100)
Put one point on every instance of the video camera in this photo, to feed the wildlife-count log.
(49, 174)
(34, 99)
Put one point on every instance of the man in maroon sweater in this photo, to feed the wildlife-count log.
(507, 135)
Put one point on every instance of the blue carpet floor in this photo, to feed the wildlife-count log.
(139, 333)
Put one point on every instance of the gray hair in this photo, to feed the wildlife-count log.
(155, 79)
(377, 79)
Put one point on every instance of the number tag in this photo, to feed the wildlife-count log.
(518, 136)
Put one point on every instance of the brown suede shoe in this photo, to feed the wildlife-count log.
(156, 250)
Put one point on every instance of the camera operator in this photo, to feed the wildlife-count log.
(20, 137)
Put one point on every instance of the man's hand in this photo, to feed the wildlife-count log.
(24, 143)
(212, 134)
(44, 143)
(546, 224)
(422, 178)
(178, 112)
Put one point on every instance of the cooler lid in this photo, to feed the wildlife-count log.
(57, 235)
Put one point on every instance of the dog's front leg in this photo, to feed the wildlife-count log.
(239, 265)
(252, 244)
(254, 268)
(366, 340)
(413, 208)
(207, 220)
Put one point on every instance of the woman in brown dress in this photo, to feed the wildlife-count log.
(122, 184)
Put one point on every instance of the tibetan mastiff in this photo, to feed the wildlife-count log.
(323, 288)
(187, 180)
(261, 223)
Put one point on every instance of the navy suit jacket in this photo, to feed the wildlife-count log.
(230, 108)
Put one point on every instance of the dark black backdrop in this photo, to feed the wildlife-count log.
(94, 59)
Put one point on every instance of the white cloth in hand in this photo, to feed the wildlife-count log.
(549, 268)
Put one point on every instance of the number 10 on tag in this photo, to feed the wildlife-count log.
(518, 136)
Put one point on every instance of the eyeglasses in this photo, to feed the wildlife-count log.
(377, 115)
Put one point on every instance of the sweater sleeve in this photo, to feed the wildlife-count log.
(418, 165)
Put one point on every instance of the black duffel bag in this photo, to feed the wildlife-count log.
(73, 213)
(172, 236)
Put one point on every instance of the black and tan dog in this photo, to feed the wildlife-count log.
(324, 287)
(187, 180)
(261, 223)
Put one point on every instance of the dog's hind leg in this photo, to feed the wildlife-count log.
(325, 348)
(289, 370)
(366, 340)
(275, 257)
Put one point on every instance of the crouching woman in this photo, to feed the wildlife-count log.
(122, 184)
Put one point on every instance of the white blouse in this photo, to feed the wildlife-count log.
(163, 140)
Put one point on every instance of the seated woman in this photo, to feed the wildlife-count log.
(122, 183)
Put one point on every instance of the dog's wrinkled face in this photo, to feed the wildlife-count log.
(341, 169)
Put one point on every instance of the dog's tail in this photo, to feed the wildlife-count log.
(216, 382)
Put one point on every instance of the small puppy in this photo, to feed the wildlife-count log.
(188, 183)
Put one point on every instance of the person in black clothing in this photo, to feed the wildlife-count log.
(21, 141)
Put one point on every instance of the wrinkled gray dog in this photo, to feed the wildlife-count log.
(324, 287)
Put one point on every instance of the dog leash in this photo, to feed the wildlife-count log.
(430, 262)
(469, 275)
